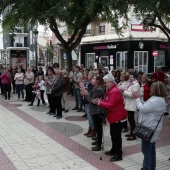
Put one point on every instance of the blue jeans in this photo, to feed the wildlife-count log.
(78, 98)
(149, 152)
(20, 90)
(89, 116)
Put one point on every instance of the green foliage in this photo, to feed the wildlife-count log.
(154, 13)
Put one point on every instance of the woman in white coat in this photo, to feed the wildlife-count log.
(150, 113)
(130, 103)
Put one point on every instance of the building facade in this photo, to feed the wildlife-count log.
(133, 50)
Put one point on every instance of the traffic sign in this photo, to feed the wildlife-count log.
(155, 53)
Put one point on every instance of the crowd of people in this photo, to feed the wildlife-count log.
(116, 95)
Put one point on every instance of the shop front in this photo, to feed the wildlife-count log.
(124, 55)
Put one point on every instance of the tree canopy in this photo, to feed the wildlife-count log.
(154, 13)
(76, 14)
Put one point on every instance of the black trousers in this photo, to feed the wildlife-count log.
(2, 91)
(115, 132)
(29, 89)
(98, 119)
(33, 99)
(49, 97)
(56, 105)
(42, 96)
(131, 119)
(7, 90)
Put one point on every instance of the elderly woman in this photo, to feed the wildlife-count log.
(124, 76)
(150, 113)
(94, 109)
(57, 93)
(130, 103)
(117, 114)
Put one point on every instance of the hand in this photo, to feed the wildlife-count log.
(122, 90)
(135, 94)
(83, 91)
(95, 101)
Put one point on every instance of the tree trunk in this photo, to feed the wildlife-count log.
(69, 59)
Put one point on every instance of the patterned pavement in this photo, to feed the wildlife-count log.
(31, 139)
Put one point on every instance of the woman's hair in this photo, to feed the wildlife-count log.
(100, 80)
(158, 89)
(126, 74)
(133, 74)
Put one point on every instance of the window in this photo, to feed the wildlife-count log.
(90, 59)
(121, 60)
(102, 28)
(160, 59)
(141, 61)
(88, 29)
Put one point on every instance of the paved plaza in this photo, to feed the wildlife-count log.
(32, 140)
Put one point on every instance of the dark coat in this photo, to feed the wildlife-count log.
(96, 93)
(57, 89)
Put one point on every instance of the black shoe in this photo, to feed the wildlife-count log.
(94, 138)
(76, 108)
(59, 117)
(96, 148)
(48, 112)
(141, 168)
(26, 100)
(128, 135)
(94, 143)
(85, 115)
(51, 113)
(110, 153)
(38, 105)
(116, 158)
(55, 115)
(30, 104)
(79, 110)
(5, 99)
(166, 113)
(63, 109)
(66, 111)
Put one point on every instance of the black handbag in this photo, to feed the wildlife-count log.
(144, 132)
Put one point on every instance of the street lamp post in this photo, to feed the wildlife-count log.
(35, 33)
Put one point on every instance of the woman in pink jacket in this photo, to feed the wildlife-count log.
(116, 115)
(6, 83)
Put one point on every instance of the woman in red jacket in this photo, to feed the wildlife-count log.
(145, 87)
(117, 114)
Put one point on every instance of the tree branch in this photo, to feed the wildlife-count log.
(54, 28)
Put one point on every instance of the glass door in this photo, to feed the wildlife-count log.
(141, 61)
(90, 59)
(121, 60)
(104, 61)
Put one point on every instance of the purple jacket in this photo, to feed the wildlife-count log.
(6, 79)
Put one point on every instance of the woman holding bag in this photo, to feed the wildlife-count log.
(150, 113)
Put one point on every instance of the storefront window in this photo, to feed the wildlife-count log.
(141, 61)
(160, 59)
(90, 59)
(121, 60)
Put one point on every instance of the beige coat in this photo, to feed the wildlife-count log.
(130, 102)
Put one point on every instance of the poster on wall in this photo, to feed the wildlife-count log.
(18, 57)
(17, 61)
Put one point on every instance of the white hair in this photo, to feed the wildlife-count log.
(109, 77)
